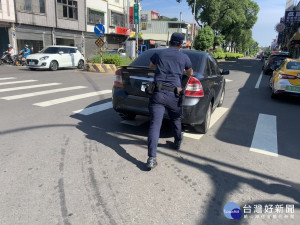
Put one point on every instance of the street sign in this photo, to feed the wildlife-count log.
(136, 13)
(99, 30)
(99, 42)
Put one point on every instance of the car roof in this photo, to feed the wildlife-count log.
(61, 46)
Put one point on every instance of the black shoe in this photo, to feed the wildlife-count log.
(177, 144)
(151, 162)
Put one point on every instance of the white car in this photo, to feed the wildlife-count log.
(54, 57)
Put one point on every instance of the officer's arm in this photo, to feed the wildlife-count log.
(152, 66)
(189, 72)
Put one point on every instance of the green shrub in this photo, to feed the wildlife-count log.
(219, 54)
(233, 55)
(111, 59)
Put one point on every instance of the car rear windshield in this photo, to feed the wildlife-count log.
(293, 65)
(144, 59)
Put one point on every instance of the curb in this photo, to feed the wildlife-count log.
(100, 68)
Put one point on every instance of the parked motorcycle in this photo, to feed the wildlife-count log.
(6, 58)
(20, 60)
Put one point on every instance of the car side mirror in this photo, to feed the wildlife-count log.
(60, 52)
(225, 72)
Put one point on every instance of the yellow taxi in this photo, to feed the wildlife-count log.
(286, 78)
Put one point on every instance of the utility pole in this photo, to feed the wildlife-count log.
(136, 22)
(193, 25)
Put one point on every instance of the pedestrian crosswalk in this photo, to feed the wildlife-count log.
(8, 87)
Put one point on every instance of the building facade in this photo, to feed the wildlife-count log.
(156, 31)
(7, 17)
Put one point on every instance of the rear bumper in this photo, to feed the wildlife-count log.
(193, 108)
(284, 86)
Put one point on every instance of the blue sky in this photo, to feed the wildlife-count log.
(263, 31)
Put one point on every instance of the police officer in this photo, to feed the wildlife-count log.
(169, 65)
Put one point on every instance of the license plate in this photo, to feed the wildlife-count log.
(143, 87)
(292, 88)
(31, 63)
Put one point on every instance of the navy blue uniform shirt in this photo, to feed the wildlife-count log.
(170, 64)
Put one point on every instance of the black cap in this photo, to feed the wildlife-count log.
(177, 38)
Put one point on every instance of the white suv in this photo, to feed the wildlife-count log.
(54, 57)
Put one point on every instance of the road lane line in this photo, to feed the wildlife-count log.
(27, 95)
(94, 109)
(18, 82)
(227, 80)
(217, 114)
(259, 80)
(71, 98)
(7, 78)
(28, 87)
(265, 136)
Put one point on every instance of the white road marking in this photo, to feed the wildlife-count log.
(71, 98)
(27, 95)
(18, 82)
(259, 80)
(265, 136)
(94, 109)
(217, 114)
(7, 78)
(227, 80)
(28, 87)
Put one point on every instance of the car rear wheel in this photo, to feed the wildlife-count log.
(127, 116)
(80, 64)
(203, 128)
(53, 66)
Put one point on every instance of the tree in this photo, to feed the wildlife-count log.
(230, 18)
(205, 39)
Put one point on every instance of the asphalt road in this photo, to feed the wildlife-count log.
(67, 158)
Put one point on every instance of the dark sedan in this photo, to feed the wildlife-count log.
(204, 91)
(274, 61)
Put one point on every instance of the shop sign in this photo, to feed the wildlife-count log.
(131, 14)
(144, 17)
(292, 17)
(122, 30)
(144, 26)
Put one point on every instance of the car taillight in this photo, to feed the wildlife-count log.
(194, 88)
(285, 76)
(118, 79)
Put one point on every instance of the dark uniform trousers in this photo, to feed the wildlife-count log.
(159, 102)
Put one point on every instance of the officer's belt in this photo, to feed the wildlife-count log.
(163, 87)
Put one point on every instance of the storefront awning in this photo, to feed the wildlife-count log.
(296, 36)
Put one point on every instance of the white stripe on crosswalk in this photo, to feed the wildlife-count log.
(265, 136)
(17, 82)
(227, 80)
(7, 78)
(218, 113)
(94, 109)
(27, 95)
(71, 98)
(28, 87)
